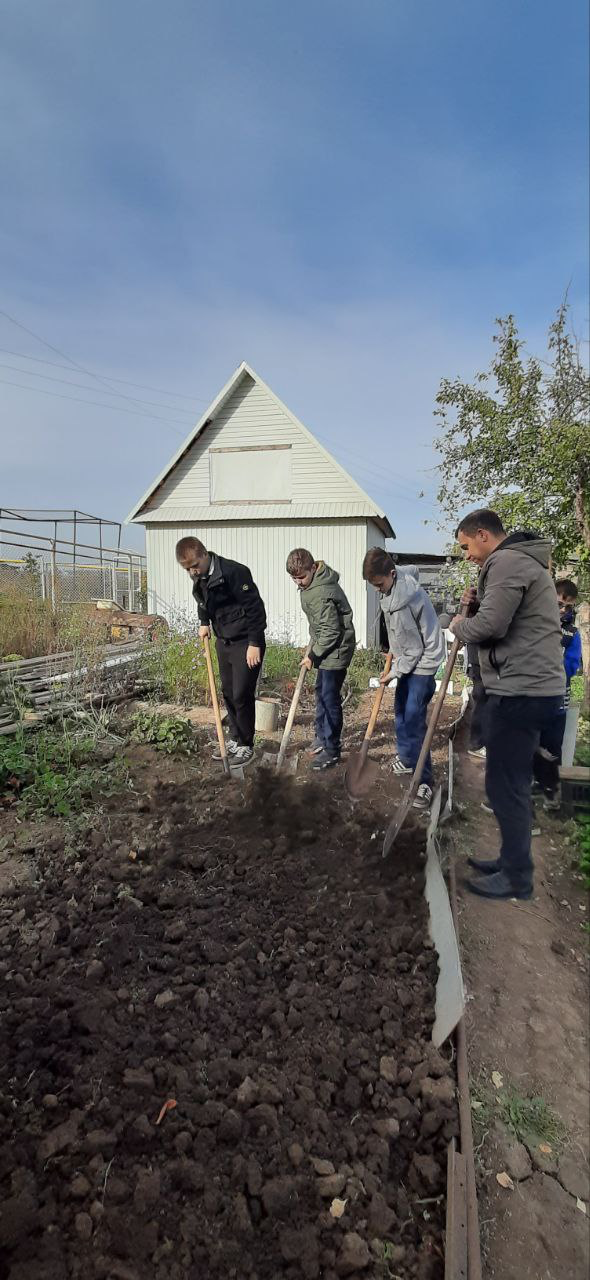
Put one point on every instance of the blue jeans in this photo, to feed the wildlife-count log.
(328, 708)
(412, 695)
(513, 729)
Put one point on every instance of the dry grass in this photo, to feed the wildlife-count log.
(31, 628)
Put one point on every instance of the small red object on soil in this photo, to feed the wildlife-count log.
(169, 1105)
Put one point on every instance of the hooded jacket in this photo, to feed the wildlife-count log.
(415, 637)
(329, 614)
(517, 625)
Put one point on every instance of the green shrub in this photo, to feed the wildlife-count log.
(52, 772)
(170, 734)
(175, 668)
(582, 752)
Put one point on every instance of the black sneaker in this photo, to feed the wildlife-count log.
(231, 747)
(486, 866)
(240, 757)
(325, 760)
(497, 886)
(315, 747)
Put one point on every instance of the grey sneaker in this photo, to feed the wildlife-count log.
(231, 746)
(398, 766)
(240, 757)
(486, 806)
(479, 753)
(423, 797)
(325, 760)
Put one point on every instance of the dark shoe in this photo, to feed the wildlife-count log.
(231, 747)
(315, 747)
(552, 801)
(423, 797)
(325, 760)
(478, 752)
(486, 806)
(486, 866)
(241, 757)
(497, 886)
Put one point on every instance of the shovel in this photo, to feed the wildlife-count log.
(230, 773)
(361, 772)
(278, 760)
(403, 810)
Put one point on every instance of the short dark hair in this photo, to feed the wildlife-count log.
(185, 545)
(377, 563)
(299, 560)
(567, 588)
(483, 518)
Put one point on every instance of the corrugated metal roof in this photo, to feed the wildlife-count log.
(247, 512)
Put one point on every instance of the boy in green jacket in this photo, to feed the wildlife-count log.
(333, 642)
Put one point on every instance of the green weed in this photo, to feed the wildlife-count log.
(531, 1120)
(174, 667)
(582, 752)
(170, 734)
(53, 772)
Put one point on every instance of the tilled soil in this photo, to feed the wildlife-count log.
(243, 950)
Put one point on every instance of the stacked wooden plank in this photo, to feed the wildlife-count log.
(60, 681)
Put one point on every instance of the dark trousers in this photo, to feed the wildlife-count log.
(238, 684)
(477, 723)
(548, 754)
(328, 707)
(513, 728)
(412, 695)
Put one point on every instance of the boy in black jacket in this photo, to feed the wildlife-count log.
(228, 601)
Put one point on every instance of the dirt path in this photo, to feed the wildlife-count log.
(526, 973)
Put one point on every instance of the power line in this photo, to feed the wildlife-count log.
(22, 355)
(117, 408)
(372, 472)
(64, 356)
(81, 386)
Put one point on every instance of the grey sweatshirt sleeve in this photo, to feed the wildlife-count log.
(504, 590)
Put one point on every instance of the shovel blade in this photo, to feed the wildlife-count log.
(361, 774)
(289, 765)
(397, 823)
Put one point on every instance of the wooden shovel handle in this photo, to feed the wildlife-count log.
(408, 800)
(377, 700)
(292, 710)
(213, 691)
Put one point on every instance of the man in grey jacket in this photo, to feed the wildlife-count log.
(417, 644)
(517, 628)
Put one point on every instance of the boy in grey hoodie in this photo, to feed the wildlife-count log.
(417, 644)
(517, 628)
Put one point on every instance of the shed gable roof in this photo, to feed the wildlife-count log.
(172, 491)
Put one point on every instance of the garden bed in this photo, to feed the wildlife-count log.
(242, 950)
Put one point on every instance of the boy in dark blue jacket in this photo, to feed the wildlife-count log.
(548, 755)
(571, 640)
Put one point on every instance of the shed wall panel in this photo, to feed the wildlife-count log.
(264, 548)
(251, 417)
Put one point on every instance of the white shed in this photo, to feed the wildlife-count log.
(252, 483)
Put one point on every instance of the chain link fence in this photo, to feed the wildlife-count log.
(68, 583)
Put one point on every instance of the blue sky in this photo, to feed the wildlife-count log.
(343, 195)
